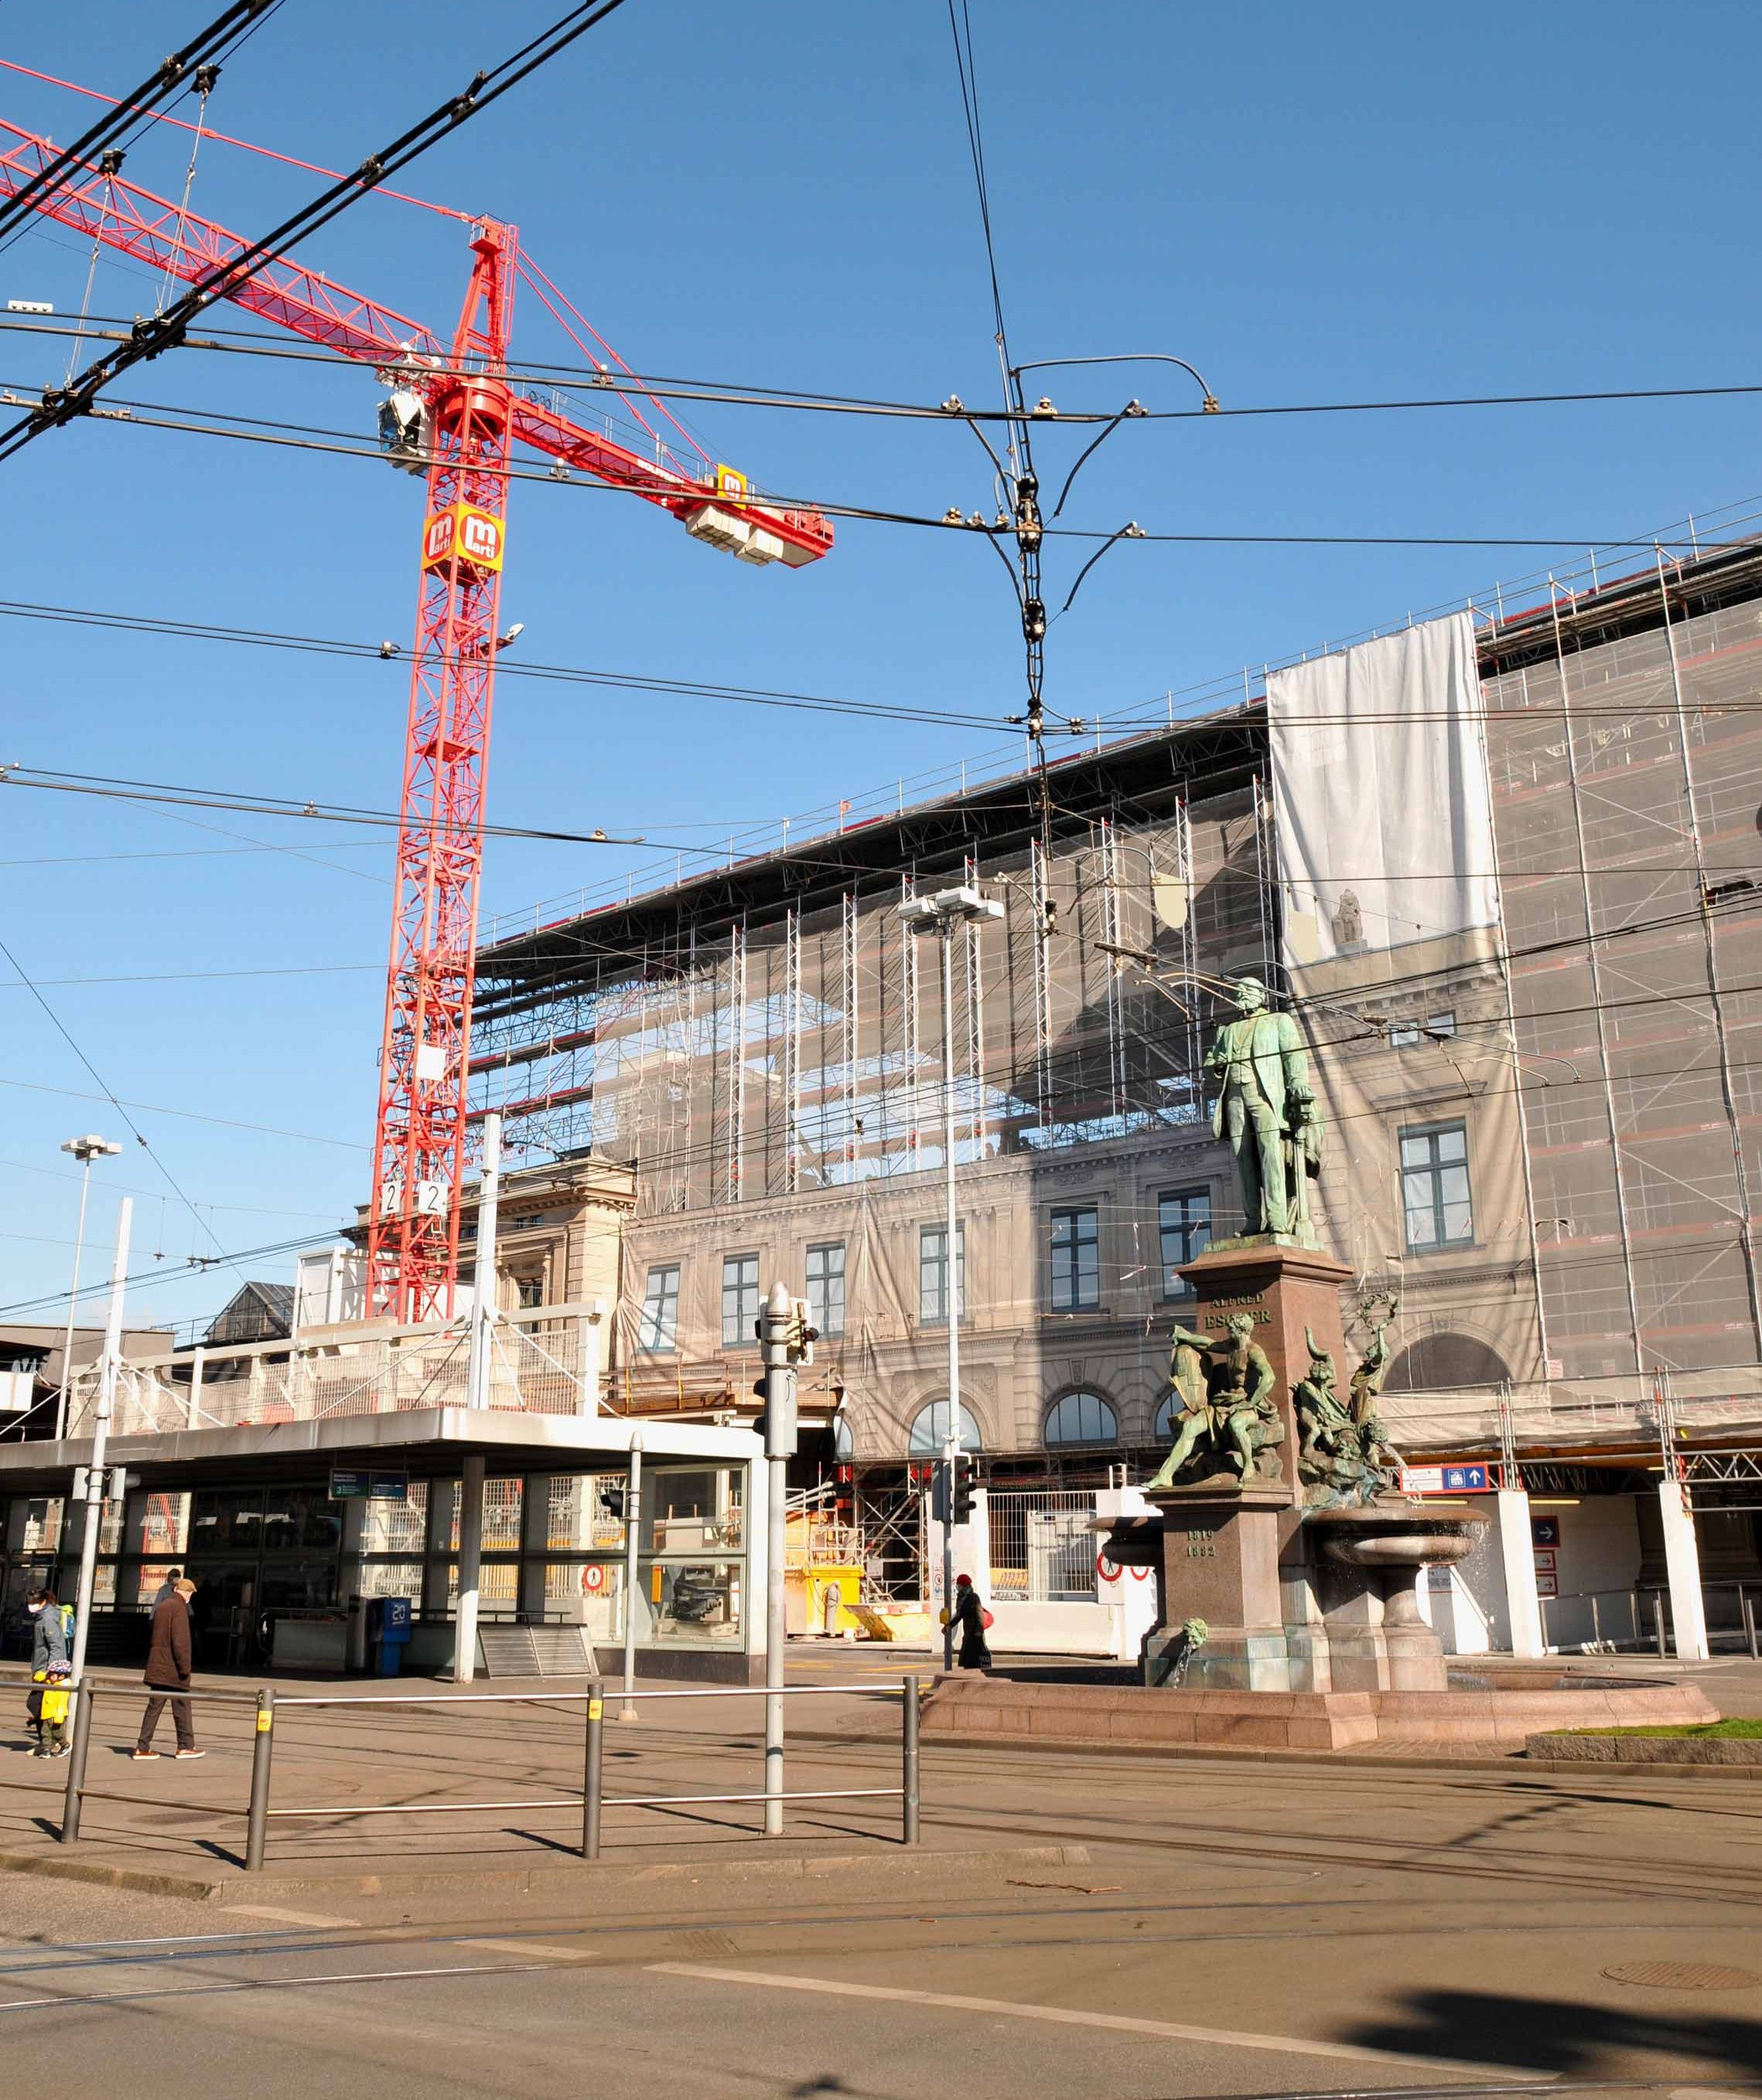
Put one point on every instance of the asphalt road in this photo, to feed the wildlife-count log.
(1239, 1930)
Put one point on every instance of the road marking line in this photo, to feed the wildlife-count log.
(290, 1916)
(1119, 2023)
(532, 1947)
(271, 1984)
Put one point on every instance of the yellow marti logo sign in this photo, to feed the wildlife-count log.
(463, 533)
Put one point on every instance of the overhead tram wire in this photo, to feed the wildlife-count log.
(105, 138)
(245, 342)
(506, 666)
(135, 1129)
(164, 331)
(146, 416)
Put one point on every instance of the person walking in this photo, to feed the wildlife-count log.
(169, 1665)
(971, 1616)
(49, 1675)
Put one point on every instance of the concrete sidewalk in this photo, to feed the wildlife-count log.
(490, 1781)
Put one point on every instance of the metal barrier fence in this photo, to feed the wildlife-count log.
(1042, 1547)
(592, 1800)
(1647, 1628)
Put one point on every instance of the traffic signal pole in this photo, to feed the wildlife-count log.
(95, 1472)
(785, 1340)
(952, 1442)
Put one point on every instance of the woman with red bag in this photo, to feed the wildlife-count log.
(971, 1616)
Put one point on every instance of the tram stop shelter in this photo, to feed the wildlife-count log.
(297, 1483)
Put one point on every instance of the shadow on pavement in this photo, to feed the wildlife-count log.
(1558, 2035)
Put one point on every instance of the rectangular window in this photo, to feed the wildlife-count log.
(1434, 1187)
(1406, 1033)
(530, 1290)
(1184, 1222)
(825, 1287)
(660, 1328)
(1076, 1262)
(932, 1274)
(739, 1300)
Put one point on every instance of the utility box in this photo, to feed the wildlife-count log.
(388, 1634)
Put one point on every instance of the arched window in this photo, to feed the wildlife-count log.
(1082, 1417)
(929, 1427)
(1162, 1429)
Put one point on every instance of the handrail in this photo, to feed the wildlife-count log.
(591, 1799)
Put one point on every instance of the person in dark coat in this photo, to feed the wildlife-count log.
(168, 1670)
(49, 1669)
(969, 1619)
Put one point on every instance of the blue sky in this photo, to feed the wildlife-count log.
(1311, 205)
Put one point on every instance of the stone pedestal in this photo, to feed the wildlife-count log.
(1293, 1601)
(1220, 1563)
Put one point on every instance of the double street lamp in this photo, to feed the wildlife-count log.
(85, 1150)
(941, 913)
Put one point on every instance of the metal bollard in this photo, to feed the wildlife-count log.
(262, 1745)
(1596, 1626)
(909, 1741)
(83, 1699)
(1658, 1609)
(1749, 1627)
(1633, 1606)
(594, 1777)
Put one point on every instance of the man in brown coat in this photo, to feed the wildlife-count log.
(168, 1670)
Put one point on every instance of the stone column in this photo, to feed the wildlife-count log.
(1682, 1569)
(1523, 1607)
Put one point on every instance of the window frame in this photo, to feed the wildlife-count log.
(657, 1333)
(738, 1329)
(939, 1231)
(934, 1449)
(1203, 1191)
(1434, 1168)
(1078, 1394)
(820, 1313)
(1068, 1276)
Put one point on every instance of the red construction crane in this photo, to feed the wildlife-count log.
(455, 415)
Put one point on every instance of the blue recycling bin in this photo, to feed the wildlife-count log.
(388, 1628)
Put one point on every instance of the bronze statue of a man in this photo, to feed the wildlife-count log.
(1264, 1095)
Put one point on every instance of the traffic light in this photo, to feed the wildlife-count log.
(612, 1501)
(960, 1501)
(952, 1485)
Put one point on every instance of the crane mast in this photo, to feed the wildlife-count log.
(413, 1234)
(466, 417)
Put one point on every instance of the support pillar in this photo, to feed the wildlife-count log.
(1516, 1547)
(470, 1558)
(1682, 1570)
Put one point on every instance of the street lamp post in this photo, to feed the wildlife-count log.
(85, 1150)
(940, 914)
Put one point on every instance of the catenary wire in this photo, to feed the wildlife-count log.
(249, 342)
(297, 438)
(135, 1129)
(127, 118)
(151, 338)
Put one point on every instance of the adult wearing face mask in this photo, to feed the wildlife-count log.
(49, 1671)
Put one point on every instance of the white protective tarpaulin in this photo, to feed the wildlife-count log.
(1384, 820)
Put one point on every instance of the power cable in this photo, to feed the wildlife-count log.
(164, 331)
(135, 1128)
(506, 666)
(239, 341)
(124, 118)
(184, 1115)
(285, 436)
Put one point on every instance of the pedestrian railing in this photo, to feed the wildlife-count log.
(591, 1802)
